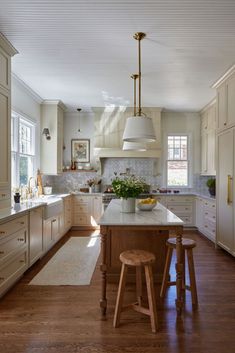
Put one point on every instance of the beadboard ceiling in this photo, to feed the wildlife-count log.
(83, 52)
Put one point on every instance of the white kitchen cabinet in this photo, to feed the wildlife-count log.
(52, 150)
(6, 52)
(208, 137)
(51, 232)
(226, 103)
(206, 217)
(13, 251)
(36, 234)
(225, 192)
(199, 213)
(67, 213)
(87, 210)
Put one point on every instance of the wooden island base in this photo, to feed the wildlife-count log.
(119, 239)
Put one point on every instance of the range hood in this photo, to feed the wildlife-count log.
(119, 153)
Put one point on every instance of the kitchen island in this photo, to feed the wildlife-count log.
(145, 230)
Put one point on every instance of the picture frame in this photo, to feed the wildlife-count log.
(80, 150)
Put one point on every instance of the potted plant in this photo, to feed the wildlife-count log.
(211, 186)
(128, 188)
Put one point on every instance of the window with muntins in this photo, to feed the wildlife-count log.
(22, 150)
(177, 161)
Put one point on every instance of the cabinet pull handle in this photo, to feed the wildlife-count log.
(2, 278)
(3, 195)
(214, 217)
(206, 226)
(21, 223)
(1, 252)
(225, 123)
(206, 212)
(229, 198)
(54, 220)
(20, 239)
(21, 261)
(2, 232)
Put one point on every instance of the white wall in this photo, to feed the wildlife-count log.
(71, 124)
(186, 123)
(26, 103)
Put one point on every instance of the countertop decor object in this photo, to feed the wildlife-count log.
(211, 186)
(128, 188)
(146, 204)
(139, 129)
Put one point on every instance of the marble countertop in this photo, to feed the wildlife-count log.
(7, 213)
(160, 215)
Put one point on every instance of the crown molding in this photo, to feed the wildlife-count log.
(29, 90)
(7, 46)
(208, 105)
(55, 102)
(224, 77)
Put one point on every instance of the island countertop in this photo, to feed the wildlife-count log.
(160, 215)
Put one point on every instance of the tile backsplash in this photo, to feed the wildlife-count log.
(142, 167)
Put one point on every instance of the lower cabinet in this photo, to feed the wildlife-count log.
(35, 231)
(14, 251)
(206, 217)
(87, 210)
(51, 232)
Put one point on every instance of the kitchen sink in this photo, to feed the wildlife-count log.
(53, 205)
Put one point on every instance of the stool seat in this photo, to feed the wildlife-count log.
(137, 257)
(186, 243)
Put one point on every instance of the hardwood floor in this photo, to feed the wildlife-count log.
(56, 319)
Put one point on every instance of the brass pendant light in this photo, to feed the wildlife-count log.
(134, 146)
(140, 128)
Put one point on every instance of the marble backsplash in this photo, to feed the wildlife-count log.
(143, 167)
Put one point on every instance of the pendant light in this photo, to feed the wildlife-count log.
(134, 146)
(140, 128)
(79, 122)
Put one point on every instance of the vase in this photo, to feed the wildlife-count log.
(212, 190)
(128, 205)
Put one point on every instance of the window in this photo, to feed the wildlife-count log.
(22, 150)
(177, 161)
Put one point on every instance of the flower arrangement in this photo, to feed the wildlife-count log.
(128, 187)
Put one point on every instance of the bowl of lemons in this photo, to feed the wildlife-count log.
(146, 204)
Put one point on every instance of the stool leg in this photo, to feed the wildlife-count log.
(166, 272)
(192, 278)
(151, 297)
(139, 285)
(120, 295)
(183, 276)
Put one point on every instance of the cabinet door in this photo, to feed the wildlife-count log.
(225, 209)
(5, 130)
(5, 69)
(199, 213)
(211, 152)
(47, 235)
(221, 107)
(204, 146)
(35, 235)
(55, 229)
(97, 208)
(60, 141)
(231, 102)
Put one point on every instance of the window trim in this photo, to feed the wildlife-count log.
(189, 160)
(32, 124)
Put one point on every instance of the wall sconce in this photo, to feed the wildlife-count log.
(46, 132)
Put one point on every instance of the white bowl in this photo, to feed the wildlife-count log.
(145, 206)
(47, 190)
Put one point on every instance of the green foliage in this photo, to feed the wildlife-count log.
(128, 186)
(211, 183)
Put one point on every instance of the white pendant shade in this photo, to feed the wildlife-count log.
(134, 146)
(139, 129)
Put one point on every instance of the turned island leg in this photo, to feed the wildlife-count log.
(179, 269)
(103, 269)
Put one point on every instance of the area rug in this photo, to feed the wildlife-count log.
(73, 264)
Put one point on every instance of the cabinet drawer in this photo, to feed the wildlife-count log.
(81, 199)
(13, 226)
(9, 245)
(181, 208)
(5, 195)
(179, 199)
(210, 215)
(14, 268)
(188, 220)
(81, 208)
(80, 219)
(210, 206)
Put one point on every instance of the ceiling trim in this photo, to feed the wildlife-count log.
(28, 89)
(55, 102)
(224, 77)
(7, 46)
(208, 105)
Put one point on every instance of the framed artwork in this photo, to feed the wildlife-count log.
(80, 150)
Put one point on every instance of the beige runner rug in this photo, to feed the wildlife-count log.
(73, 264)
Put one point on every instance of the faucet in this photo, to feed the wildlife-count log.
(30, 188)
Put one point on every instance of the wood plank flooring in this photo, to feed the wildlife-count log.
(56, 319)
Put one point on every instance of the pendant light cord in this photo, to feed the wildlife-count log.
(134, 77)
(138, 36)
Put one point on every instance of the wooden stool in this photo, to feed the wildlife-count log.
(188, 245)
(137, 258)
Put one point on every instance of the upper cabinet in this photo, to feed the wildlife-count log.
(225, 101)
(109, 127)
(6, 52)
(208, 133)
(52, 118)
